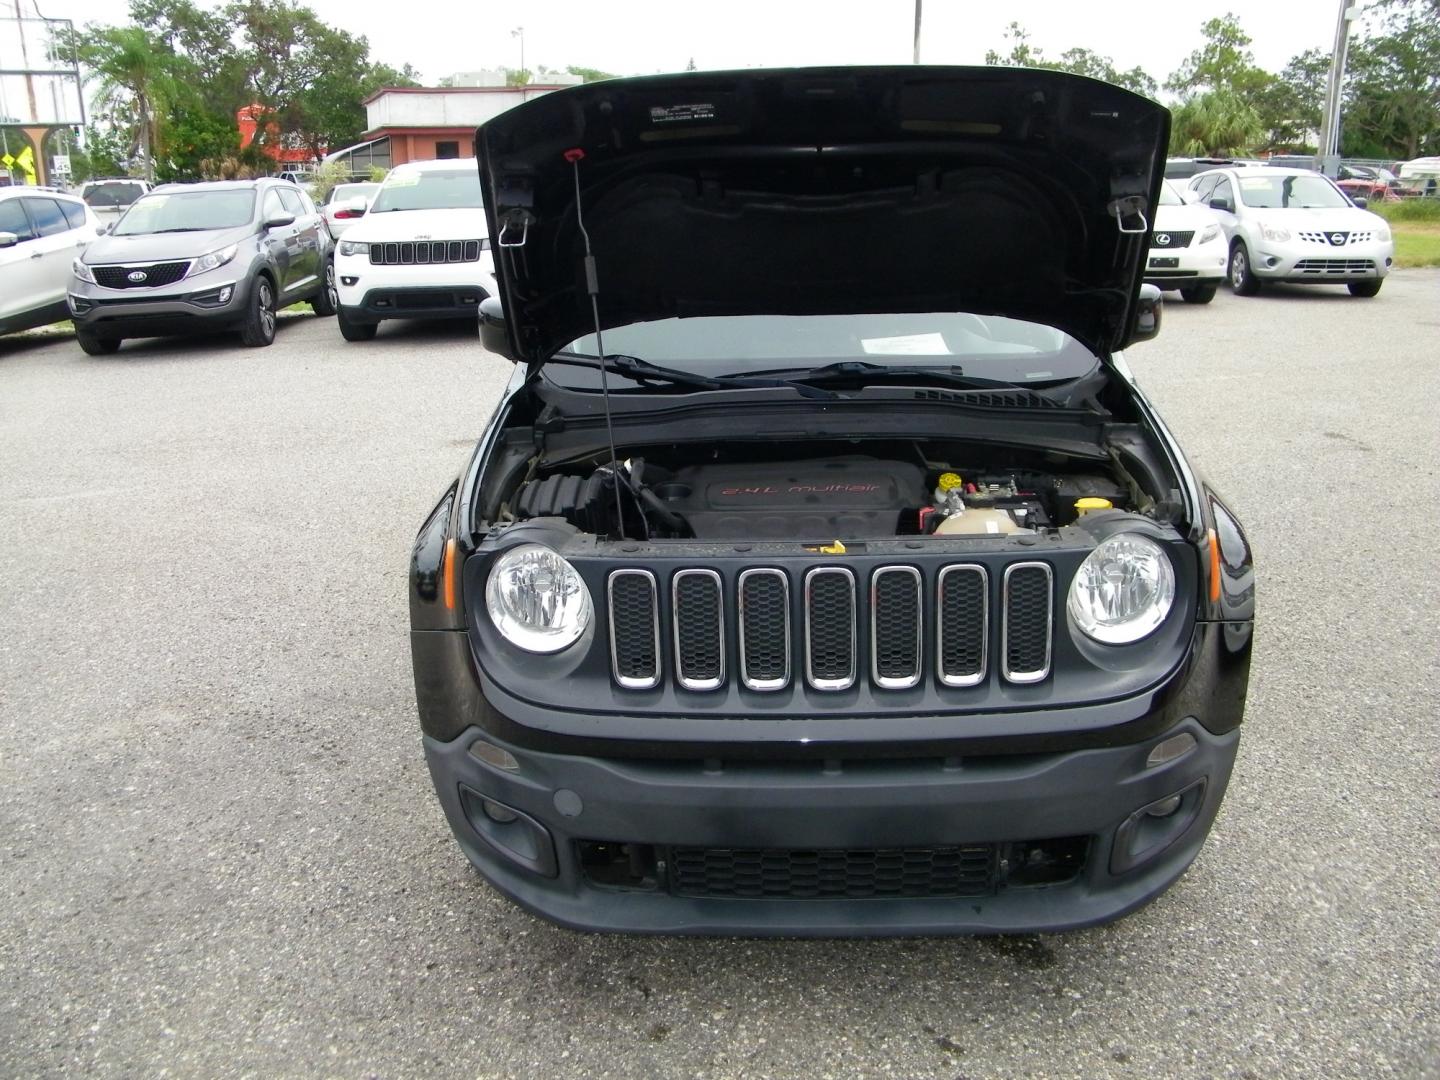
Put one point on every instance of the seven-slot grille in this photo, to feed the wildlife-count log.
(155, 275)
(420, 252)
(771, 638)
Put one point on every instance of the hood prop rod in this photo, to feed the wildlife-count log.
(592, 285)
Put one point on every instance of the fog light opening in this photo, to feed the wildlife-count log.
(1165, 807)
(225, 294)
(501, 815)
(349, 279)
(1177, 746)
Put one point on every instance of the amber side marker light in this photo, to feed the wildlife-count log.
(451, 584)
(1214, 566)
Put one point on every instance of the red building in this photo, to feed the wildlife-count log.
(248, 121)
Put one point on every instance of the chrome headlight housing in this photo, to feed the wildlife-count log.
(212, 260)
(1123, 590)
(537, 600)
(81, 271)
(1274, 232)
(1210, 233)
(354, 247)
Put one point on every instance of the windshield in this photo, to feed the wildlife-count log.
(447, 189)
(188, 211)
(982, 346)
(346, 192)
(112, 194)
(1169, 196)
(1289, 192)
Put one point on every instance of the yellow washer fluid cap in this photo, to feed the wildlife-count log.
(1091, 503)
(949, 480)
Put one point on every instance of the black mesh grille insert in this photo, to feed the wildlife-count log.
(1027, 621)
(962, 625)
(895, 594)
(830, 624)
(632, 629)
(118, 277)
(963, 870)
(765, 629)
(699, 652)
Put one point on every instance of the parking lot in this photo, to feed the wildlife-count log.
(222, 855)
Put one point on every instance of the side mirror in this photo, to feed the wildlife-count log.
(8, 239)
(1222, 204)
(1360, 201)
(493, 337)
(279, 221)
(1147, 314)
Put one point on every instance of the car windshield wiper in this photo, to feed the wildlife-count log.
(643, 371)
(188, 228)
(861, 372)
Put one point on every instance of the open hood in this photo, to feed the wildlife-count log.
(1006, 191)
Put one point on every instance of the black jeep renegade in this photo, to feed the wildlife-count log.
(822, 570)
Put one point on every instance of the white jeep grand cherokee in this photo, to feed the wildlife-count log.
(422, 250)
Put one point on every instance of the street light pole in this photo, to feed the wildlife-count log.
(1334, 95)
(915, 58)
(519, 32)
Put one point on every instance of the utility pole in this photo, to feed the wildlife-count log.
(916, 57)
(1330, 138)
(519, 32)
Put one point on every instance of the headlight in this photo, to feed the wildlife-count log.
(212, 260)
(537, 600)
(81, 271)
(1209, 234)
(1382, 233)
(354, 247)
(1123, 590)
(1274, 232)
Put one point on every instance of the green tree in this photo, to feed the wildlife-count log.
(1077, 61)
(1223, 62)
(1217, 123)
(590, 74)
(1392, 104)
(136, 81)
(518, 76)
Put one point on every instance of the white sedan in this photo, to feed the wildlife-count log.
(1187, 248)
(1296, 226)
(347, 204)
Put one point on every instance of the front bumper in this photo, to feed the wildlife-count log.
(1182, 268)
(1058, 841)
(1319, 264)
(197, 307)
(657, 807)
(371, 293)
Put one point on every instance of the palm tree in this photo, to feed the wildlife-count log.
(1215, 124)
(135, 77)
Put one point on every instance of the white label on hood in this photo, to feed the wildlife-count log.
(669, 114)
(907, 345)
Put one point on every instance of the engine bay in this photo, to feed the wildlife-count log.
(824, 492)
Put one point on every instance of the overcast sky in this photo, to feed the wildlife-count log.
(634, 37)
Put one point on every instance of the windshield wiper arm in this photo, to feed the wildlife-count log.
(862, 371)
(642, 371)
(188, 228)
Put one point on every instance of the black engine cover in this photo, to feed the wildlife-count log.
(832, 499)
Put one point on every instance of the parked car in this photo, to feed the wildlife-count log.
(110, 197)
(1296, 226)
(347, 204)
(821, 597)
(1362, 181)
(196, 258)
(1187, 248)
(420, 252)
(1184, 168)
(41, 231)
(1420, 177)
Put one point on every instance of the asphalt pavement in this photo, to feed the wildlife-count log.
(220, 854)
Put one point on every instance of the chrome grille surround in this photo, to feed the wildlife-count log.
(962, 679)
(705, 681)
(630, 681)
(822, 682)
(748, 678)
(1037, 674)
(893, 681)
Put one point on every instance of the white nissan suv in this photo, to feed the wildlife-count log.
(422, 250)
(1296, 226)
